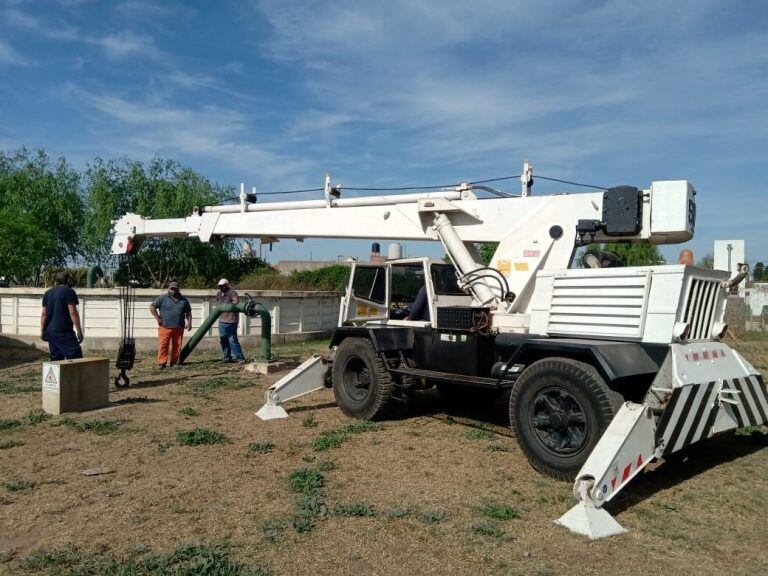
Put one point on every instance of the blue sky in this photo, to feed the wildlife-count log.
(276, 93)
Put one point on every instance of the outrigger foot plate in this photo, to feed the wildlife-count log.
(589, 521)
(305, 379)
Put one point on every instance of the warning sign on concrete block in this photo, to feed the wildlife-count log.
(51, 377)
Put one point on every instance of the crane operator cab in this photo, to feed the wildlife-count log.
(400, 292)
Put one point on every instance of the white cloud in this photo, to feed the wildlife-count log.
(121, 45)
(207, 133)
(9, 55)
(482, 80)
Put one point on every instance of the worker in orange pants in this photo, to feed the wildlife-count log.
(170, 310)
(168, 338)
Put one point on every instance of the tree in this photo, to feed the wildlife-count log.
(635, 254)
(159, 189)
(42, 212)
(486, 251)
(758, 272)
(706, 261)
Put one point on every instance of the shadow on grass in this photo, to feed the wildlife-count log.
(432, 404)
(16, 352)
(298, 409)
(138, 382)
(685, 465)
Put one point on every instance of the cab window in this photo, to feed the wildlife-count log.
(407, 279)
(444, 280)
(370, 283)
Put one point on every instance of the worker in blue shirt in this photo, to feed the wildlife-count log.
(419, 310)
(58, 319)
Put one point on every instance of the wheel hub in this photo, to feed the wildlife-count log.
(357, 379)
(559, 421)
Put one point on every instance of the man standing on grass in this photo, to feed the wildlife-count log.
(59, 317)
(228, 323)
(170, 310)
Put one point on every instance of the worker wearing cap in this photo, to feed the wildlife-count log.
(228, 323)
(170, 310)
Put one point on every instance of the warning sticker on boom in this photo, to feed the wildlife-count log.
(50, 378)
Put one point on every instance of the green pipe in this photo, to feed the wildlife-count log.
(247, 307)
(93, 272)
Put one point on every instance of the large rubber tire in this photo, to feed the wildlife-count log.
(458, 396)
(559, 409)
(361, 383)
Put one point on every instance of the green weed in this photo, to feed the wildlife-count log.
(399, 512)
(205, 387)
(97, 426)
(189, 411)
(19, 485)
(354, 509)
(200, 436)
(273, 531)
(310, 506)
(35, 417)
(755, 431)
(480, 434)
(326, 466)
(336, 437)
(499, 511)
(309, 422)
(487, 529)
(496, 447)
(306, 480)
(433, 517)
(10, 444)
(9, 424)
(260, 447)
(188, 560)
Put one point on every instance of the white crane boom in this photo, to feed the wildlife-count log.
(534, 233)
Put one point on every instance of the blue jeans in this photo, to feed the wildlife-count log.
(229, 342)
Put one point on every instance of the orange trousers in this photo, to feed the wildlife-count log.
(168, 337)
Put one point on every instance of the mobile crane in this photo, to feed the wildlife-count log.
(609, 368)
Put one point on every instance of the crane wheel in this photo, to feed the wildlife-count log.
(361, 383)
(559, 409)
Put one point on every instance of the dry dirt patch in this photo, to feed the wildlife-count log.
(433, 492)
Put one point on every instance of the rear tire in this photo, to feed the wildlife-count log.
(361, 383)
(559, 409)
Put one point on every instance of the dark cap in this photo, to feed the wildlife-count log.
(173, 285)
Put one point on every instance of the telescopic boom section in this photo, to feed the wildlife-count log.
(534, 232)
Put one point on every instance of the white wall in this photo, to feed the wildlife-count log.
(737, 256)
(293, 312)
(757, 297)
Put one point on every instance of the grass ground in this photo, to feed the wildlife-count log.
(191, 482)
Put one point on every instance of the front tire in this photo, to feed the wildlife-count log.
(559, 409)
(361, 383)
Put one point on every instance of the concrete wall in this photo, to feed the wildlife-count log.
(296, 315)
(757, 297)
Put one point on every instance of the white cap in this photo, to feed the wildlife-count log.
(222, 282)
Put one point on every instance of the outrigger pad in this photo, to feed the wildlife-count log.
(589, 521)
(271, 412)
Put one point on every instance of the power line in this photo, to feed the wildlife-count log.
(429, 187)
(571, 183)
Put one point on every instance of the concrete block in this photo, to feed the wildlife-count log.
(75, 385)
(264, 367)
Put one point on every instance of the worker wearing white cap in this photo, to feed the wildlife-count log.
(230, 345)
